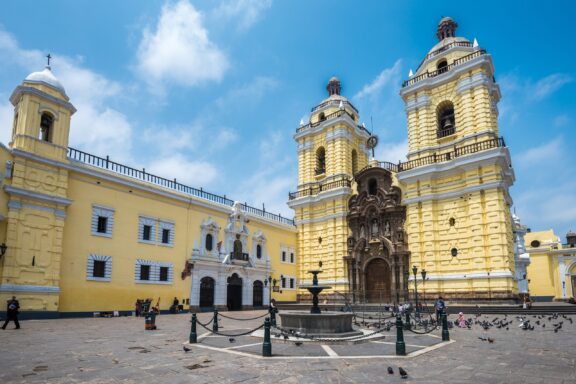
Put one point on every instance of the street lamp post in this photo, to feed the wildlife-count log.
(415, 271)
(423, 273)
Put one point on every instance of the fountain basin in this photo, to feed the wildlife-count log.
(325, 324)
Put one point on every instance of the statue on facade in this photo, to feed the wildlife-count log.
(375, 228)
(387, 228)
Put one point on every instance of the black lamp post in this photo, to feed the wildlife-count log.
(415, 271)
(423, 273)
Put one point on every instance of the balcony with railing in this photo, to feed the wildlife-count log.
(446, 69)
(76, 155)
(315, 189)
(445, 132)
(447, 47)
(333, 103)
(331, 116)
(239, 256)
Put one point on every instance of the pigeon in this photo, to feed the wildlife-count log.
(403, 373)
(298, 343)
(490, 340)
(232, 340)
(483, 338)
(186, 349)
(390, 371)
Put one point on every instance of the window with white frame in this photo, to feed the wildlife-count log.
(292, 259)
(283, 256)
(146, 229)
(102, 221)
(99, 268)
(166, 233)
(153, 272)
(288, 282)
(155, 231)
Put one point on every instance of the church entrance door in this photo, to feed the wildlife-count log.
(234, 293)
(206, 292)
(377, 278)
(258, 294)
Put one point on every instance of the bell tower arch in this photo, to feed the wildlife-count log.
(458, 173)
(331, 148)
(37, 189)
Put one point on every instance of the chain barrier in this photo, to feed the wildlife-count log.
(232, 335)
(252, 318)
(355, 338)
(206, 324)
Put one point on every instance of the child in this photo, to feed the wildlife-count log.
(461, 320)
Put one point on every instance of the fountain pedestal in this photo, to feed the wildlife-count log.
(318, 323)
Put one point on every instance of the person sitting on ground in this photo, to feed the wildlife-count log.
(461, 320)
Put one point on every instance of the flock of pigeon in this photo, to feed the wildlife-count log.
(554, 322)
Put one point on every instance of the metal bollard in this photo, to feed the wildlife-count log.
(273, 317)
(215, 322)
(445, 333)
(400, 345)
(267, 345)
(193, 335)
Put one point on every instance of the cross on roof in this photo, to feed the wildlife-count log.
(48, 56)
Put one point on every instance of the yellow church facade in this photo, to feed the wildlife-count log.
(85, 234)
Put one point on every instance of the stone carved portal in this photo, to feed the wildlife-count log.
(234, 293)
(377, 259)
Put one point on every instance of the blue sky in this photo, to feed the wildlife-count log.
(211, 92)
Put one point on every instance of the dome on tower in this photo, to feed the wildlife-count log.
(446, 33)
(46, 77)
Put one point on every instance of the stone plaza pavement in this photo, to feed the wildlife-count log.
(119, 350)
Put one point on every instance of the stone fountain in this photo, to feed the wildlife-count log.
(318, 323)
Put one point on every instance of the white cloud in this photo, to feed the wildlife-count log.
(96, 127)
(388, 76)
(6, 120)
(185, 171)
(546, 153)
(178, 50)
(549, 84)
(392, 152)
(248, 94)
(244, 12)
(538, 90)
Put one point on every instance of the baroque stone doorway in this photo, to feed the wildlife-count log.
(206, 292)
(234, 296)
(377, 278)
(258, 294)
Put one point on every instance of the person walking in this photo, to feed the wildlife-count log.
(12, 312)
(439, 305)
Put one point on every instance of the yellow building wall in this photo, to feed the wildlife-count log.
(79, 294)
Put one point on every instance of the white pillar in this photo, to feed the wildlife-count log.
(221, 290)
(247, 291)
(195, 288)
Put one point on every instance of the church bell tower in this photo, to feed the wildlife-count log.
(36, 185)
(458, 173)
(331, 149)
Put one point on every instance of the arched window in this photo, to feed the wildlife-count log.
(321, 116)
(446, 121)
(209, 242)
(372, 187)
(258, 251)
(354, 162)
(320, 161)
(442, 66)
(46, 125)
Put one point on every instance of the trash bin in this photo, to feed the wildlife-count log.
(150, 321)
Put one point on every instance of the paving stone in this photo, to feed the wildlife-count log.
(111, 351)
